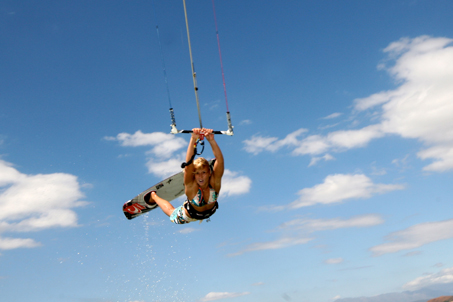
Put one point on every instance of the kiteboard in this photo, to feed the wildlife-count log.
(168, 189)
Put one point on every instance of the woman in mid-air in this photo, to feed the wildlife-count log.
(202, 184)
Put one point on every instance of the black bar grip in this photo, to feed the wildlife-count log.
(190, 131)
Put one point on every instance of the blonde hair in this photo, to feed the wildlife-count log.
(200, 163)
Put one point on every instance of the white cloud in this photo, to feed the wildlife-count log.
(415, 236)
(235, 184)
(420, 108)
(348, 139)
(35, 202)
(315, 144)
(315, 160)
(257, 144)
(163, 162)
(338, 141)
(164, 144)
(289, 140)
(374, 100)
(165, 168)
(332, 116)
(340, 187)
(213, 296)
(9, 175)
(14, 243)
(443, 155)
(443, 277)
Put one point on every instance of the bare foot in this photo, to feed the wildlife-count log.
(149, 199)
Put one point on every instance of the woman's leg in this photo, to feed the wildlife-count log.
(162, 203)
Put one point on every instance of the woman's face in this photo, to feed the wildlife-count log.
(202, 176)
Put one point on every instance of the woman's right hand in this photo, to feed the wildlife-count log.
(196, 133)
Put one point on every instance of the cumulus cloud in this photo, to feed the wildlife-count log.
(257, 144)
(298, 231)
(348, 139)
(163, 144)
(420, 108)
(235, 184)
(165, 167)
(340, 187)
(315, 144)
(213, 296)
(14, 243)
(415, 236)
(35, 202)
(164, 159)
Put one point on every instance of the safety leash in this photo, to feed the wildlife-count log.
(195, 152)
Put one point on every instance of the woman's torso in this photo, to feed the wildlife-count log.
(204, 199)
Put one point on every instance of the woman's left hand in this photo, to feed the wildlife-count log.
(208, 134)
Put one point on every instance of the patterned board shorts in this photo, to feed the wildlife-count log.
(179, 216)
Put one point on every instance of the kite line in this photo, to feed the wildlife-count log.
(174, 130)
(172, 114)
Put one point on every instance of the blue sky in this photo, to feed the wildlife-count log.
(338, 180)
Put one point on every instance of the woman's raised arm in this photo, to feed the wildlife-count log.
(219, 165)
(188, 170)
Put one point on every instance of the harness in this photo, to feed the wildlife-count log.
(200, 215)
(195, 214)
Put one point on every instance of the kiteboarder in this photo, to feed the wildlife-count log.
(202, 183)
